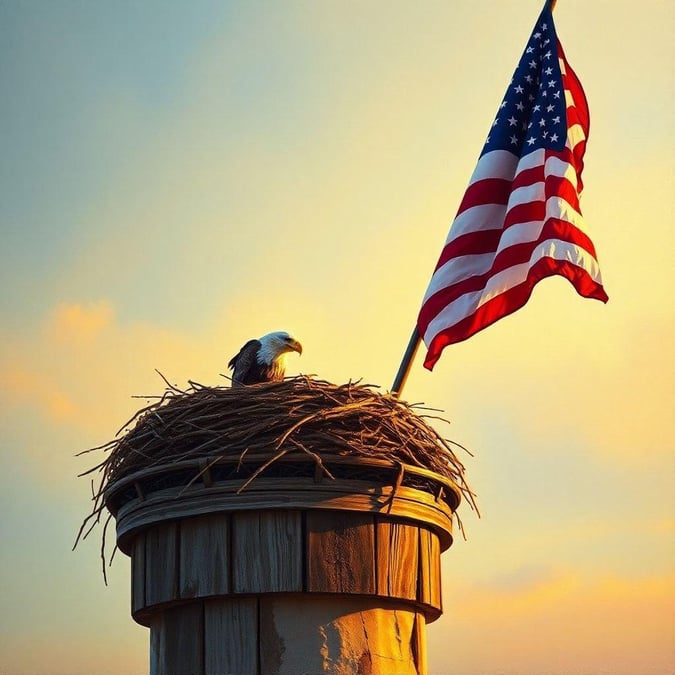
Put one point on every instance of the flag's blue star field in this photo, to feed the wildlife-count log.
(532, 114)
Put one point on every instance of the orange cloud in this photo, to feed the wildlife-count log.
(24, 387)
(66, 373)
(71, 322)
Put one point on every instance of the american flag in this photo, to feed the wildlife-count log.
(519, 220)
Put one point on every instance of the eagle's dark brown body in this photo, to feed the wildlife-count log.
(263, 360)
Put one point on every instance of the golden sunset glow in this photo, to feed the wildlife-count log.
(178, 178)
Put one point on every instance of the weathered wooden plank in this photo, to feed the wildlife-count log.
(161, 570)
(177, 641)
(204, 556)
(397, 559)
(420, 644)
(435, 563)
(341, 552)
(231, 636)
(341, 634)
(429, 590)
(157, 640)
(267, 552)
(424, 580)
(138, 574)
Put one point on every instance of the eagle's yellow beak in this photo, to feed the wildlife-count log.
(295, 346)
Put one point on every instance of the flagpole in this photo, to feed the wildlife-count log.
(406, 363)
(414, 343)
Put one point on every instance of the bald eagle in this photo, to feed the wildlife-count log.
(262, 360)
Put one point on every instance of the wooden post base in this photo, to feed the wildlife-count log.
(288, 635)
(290, 577)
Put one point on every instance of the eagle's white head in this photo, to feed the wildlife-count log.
(274, 346)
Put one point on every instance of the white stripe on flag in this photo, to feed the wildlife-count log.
(504, 281)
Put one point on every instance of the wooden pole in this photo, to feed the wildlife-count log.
(406, 363)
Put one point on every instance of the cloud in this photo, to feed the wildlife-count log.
(72, 322)
(75, 376)
(23, 387)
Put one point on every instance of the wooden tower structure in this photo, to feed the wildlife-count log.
(295, 574)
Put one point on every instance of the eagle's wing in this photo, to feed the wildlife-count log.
(241, 363)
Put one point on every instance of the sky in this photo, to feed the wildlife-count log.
(178, 177)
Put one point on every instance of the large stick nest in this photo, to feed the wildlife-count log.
(300, 415)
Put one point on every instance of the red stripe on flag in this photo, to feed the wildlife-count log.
(512, 300)
(529, 176)
(517, 254)
(561, 187)
(573, 85)
(471, 243)
(486, 191)
(524, 213)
